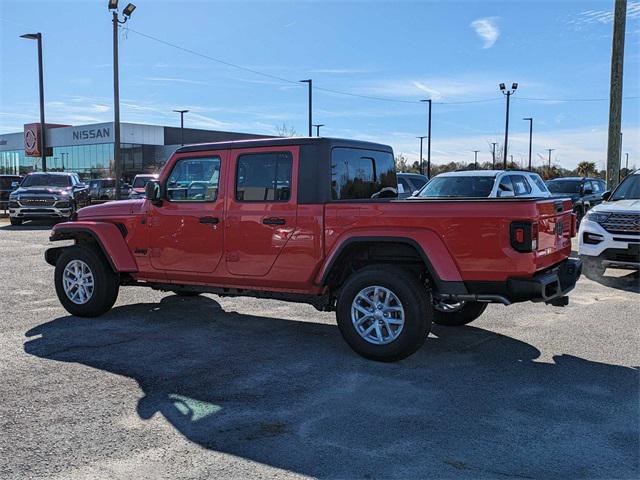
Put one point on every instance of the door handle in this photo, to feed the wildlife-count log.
(209, 220)
(274, 221)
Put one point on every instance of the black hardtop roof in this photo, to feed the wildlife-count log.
(284, 141)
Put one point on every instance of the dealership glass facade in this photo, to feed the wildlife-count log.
(89, 161)
(88, 150)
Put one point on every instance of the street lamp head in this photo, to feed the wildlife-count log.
(113, 4)
(128, 10)
(514, 86)
(502, 87)
(181, 111)
(528, 118)
(31, 36)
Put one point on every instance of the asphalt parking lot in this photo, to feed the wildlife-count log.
(206, 387)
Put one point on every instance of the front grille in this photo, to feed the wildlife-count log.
(622, 223)
(37, 201)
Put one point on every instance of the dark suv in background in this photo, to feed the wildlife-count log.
(8, 183)
(583, 192)
(55, 195)
(105, 189)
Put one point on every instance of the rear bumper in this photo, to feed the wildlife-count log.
(546, 286)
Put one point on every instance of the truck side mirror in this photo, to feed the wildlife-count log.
(152, 191)
(606, 195)
(588, 191)
(14, 184)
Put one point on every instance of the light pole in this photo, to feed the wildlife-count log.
(128, 10)
(507, 93)
(530, 120)
(310, 83)
(428, 101)
(421, 161)
(43, 154)
(626, 165)
(475, 158)
(181, 112)
(318, 125)
(550, 150)
(493, 153)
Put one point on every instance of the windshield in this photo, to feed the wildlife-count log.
(141, 182)
(458, 187)
(629, 189)
(44, 180)
(564, 186)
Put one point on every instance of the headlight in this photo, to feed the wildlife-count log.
(63, 193)
(598, 217)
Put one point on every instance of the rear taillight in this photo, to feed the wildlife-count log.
(574, 225)
(524, 236)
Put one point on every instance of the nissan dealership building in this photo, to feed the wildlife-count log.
(88, 149)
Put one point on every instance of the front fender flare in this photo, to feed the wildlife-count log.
(108, 237)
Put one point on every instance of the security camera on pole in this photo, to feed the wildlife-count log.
(507, 93)
(117, 163)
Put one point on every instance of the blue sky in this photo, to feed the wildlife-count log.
(399, 51)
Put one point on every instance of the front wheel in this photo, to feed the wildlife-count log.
(457, 314)
(15, 221)
(384, 314)
(85, 283)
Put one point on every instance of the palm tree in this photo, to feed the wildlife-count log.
(586, 169)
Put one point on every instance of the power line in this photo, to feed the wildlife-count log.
(349, 94)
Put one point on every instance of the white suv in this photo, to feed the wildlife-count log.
(610, 232)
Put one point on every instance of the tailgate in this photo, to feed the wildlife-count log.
(556, 227)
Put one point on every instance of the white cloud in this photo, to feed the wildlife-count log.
(486, 29)
(589, 17)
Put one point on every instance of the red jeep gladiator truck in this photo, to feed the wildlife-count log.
(317, 220)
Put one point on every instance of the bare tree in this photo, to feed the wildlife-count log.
(285, 130)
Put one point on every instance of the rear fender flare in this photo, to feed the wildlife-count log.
(107, 236)
(439, 262)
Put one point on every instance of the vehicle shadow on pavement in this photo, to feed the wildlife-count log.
(629, 282)
(290, 394)
(31, 225)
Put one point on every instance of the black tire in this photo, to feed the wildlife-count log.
(579, 211)
(467, 314)
(15, 221)
(415, 300)
(185, 293)
(106, 282)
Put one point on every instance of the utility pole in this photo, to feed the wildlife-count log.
(475, 159)
(117, 167)
(181, 112)
(494, 154)
(421, 161)
(318, 125)
(550, 150)
(507, 93)
(626, 165)
(428, 139)
(530, 120)
(615, 96)
(310, 82)
(43, 133)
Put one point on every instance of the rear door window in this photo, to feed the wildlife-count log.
(264, 177)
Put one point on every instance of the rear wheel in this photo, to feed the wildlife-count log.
(579, 211)
(86, 285)
(384, 313)
(457, 314)
(15, 221)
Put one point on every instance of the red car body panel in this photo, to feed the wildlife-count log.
(462, 240)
